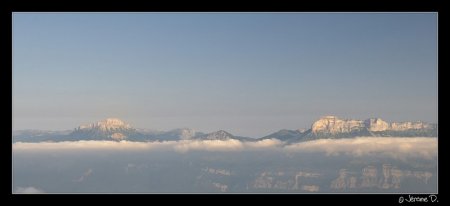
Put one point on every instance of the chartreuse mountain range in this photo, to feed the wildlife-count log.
(114, 129)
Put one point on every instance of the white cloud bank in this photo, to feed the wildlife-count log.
(28, 190)
(179, 146)
(227, 145)
(424, 147)
(415, 146)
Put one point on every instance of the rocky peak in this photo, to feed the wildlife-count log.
(107, 124)
(219, 135)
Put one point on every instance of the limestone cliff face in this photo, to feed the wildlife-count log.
(376, 124)
(108, 129)
(334, 125)
(107, 124)
(389, 177)
(402, 126)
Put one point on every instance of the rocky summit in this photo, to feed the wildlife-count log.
(108, 129)
(106, 125)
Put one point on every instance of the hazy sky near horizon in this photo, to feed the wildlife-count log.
(250, 74)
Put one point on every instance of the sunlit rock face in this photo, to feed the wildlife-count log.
(107, 129)
(389, 177)
(333, 125)
(118, 136)
(376, 124)
(402, 126)
(107, 124)
(328, 126)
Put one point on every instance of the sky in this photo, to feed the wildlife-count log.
(250, 74)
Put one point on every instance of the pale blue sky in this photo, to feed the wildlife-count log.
(248, 73)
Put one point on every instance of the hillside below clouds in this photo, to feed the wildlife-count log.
(114, 129)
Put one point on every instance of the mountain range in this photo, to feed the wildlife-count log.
(326, 127)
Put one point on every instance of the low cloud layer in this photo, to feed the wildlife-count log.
(227, 145)
(179, 146)
(394, 146)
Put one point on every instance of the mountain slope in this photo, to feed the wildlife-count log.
(284, 135)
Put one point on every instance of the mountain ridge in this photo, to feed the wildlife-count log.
(114, 129)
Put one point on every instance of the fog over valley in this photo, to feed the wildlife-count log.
(373, 165)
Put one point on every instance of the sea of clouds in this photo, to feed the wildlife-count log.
(417, 147)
